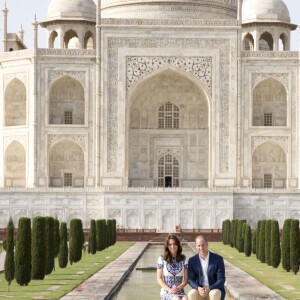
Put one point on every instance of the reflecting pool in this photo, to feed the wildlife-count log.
(141, 282)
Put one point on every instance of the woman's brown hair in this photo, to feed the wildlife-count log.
(167, 255)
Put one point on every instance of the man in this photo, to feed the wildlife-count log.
(206, 273)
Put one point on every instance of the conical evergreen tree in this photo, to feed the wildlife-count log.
(285, 245)
(262, 237)
(63, 245)
(23, 252)
(9, 262)
(50, 244)
(248, 242)
(254, 242)
(76, 241)
(275, 244)
(257, 239)
(92, 238)
(294, 246)
(268, 242)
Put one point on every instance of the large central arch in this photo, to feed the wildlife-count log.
(168, 114)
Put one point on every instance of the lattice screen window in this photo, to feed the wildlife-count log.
(68, 117)
(168, 116)
(267, 180)
(67, 179)
(268, 119)
(168, 169)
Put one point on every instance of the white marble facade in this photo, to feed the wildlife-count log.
(156, 114)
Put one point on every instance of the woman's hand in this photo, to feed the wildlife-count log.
(174, 289)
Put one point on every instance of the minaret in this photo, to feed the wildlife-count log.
(21, 33)
(5, 13)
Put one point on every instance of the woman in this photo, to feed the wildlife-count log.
(172, 273)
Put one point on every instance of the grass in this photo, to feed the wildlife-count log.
(62, 281)
(286, 284)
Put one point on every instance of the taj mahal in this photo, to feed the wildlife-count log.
(154, 113)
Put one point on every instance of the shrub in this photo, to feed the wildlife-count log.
(92, 238)
(239, 236)
(23, 252)
(247, 242)
(285, 245)
(38, 248)
(294, 246)
(63, 246)
(268, 242)
(275, 244)
(262, 237)
(9, 263)
(101, 234)
(254, 242)
(115, 231)
(50, 245)
(56, 237)
(76, 241)
(257, 238)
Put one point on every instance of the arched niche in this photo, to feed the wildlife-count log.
(66, 102)
(52, 42)
(89, 40)
(168, 95)
(15, 165)
(269, 166)
(15, 103)
(269, 103)
(283, 42)
(248, 42)
(71, 40)
(66, 165)
(266, 42)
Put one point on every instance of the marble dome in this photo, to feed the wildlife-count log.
(265, 11)
(72, 10)
(169, 9)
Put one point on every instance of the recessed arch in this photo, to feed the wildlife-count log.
(146, 139)
(66, 164)
(266, 42)
(15, 103)
(267, 95)
(71, 40)
(52, 42)
(283, 42)
(66, 102)
(269, 166)
(168, 171)
(248, 42)
(15, 165)
(89, 40)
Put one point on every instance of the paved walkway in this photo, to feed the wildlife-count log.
(104, 283)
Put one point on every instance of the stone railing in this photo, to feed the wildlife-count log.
(66, 52)
(270, 54)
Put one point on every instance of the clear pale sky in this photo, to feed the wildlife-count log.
(23, 12)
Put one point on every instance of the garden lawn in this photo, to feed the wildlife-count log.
(287, 284)
(62, 281)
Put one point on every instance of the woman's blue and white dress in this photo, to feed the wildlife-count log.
(172, 275)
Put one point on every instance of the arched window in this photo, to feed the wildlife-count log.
(71, 40)
(15, 103)
(53, 39)
(283, 42)
(168, 116)
(88, 41)
(168, 171)
(266, 42)
(248, 42)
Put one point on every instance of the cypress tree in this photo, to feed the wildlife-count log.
(92, 238)
(115, 230)
(23, 252)
(294, 246)
(63, 245)
(50, 245)
(254, 242)
(9, 263)
(257, 238)
(248, 242)
(76, 241)
(110, 233)
(56, 237)
(268, 242)
(285, 245)
(275, 244)
(235, 225)
(38, 248)
(239, 236)
(101, 235)
(231, 241)
(262, 237)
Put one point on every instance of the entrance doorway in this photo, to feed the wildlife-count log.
(168, 171)
(168, 181)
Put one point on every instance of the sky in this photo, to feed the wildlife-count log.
(24, 11)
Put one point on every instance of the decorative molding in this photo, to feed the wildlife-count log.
(171, 22)
(198, 67)
(163, 151)
(281, 77)
(66, 52)
(270, 54)
(78, 139)
(111, 120)
(9, 77)
(79, 75)
(283, 141)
